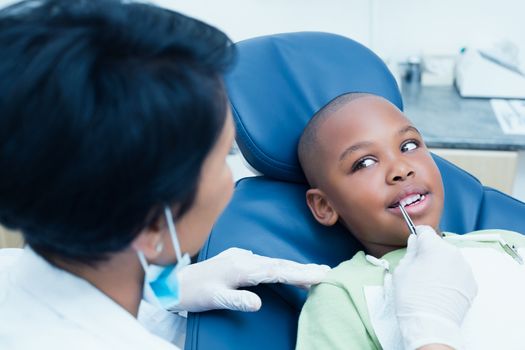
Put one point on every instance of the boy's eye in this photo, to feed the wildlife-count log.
(363, 163)
(409, 146)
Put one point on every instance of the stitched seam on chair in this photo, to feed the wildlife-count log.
(282, 297)
(194, 340)
(490, 189)
(455, 166)
(480, 206)
(256, 152)
(204, 252)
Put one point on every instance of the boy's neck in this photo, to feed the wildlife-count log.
(379, 250)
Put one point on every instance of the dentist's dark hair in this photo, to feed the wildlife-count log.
(108, 110)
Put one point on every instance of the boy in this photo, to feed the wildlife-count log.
(363, 159)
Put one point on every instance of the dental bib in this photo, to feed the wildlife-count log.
(496, 319)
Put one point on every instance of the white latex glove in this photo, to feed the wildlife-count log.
(212, 284)
(433, 289)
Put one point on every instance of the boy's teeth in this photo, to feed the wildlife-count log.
(411, 199)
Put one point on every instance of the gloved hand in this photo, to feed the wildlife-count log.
(212, 284)
(433, 289)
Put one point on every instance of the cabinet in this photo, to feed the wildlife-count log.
(496, 169)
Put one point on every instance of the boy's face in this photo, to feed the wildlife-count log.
(372, 159)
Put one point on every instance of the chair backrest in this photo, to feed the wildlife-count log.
(279, 82)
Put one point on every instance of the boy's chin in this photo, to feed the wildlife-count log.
(403, 241)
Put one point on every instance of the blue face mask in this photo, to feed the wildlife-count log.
(161, 283)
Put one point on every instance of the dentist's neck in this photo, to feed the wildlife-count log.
(120, 277)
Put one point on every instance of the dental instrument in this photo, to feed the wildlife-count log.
(408, 220)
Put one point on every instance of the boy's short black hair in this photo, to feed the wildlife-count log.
(108, 110)
(308, 146)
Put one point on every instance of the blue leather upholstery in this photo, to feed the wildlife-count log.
(279, 82)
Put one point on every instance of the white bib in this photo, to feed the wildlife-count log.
(496, 319)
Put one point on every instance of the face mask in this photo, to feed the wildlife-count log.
(161, 283)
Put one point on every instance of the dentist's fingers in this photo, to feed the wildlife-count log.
(213, 283)
(237, 300)
(270, 270)
(427, 238)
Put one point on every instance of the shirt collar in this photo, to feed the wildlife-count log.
(80, 302)
(394, 257)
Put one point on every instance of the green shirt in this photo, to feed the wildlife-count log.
(335, 315)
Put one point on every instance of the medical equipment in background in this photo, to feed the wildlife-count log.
(298, 73)
(491, 73)
(412, 70)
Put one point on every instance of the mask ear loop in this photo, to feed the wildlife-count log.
(182, 260)
(142, 260)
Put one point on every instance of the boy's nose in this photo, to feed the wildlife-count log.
(400, 171)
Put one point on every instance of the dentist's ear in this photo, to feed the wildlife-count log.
(320, 207)
(150, 242)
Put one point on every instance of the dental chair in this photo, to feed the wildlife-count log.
(278, 84)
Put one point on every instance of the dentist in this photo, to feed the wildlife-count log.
(114, 132)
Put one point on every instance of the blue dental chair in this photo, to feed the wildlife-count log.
(277, 85)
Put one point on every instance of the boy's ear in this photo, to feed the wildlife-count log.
(320, 207)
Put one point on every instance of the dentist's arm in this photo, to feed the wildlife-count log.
(213, 283)
(434, 288)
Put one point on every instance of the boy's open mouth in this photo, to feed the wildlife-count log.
(408, 200)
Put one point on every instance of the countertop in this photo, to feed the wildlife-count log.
(448, 121)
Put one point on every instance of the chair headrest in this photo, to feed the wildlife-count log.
(280, 81)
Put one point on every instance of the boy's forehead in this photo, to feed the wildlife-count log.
(360, 115)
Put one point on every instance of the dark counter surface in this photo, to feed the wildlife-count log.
(448, 121)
